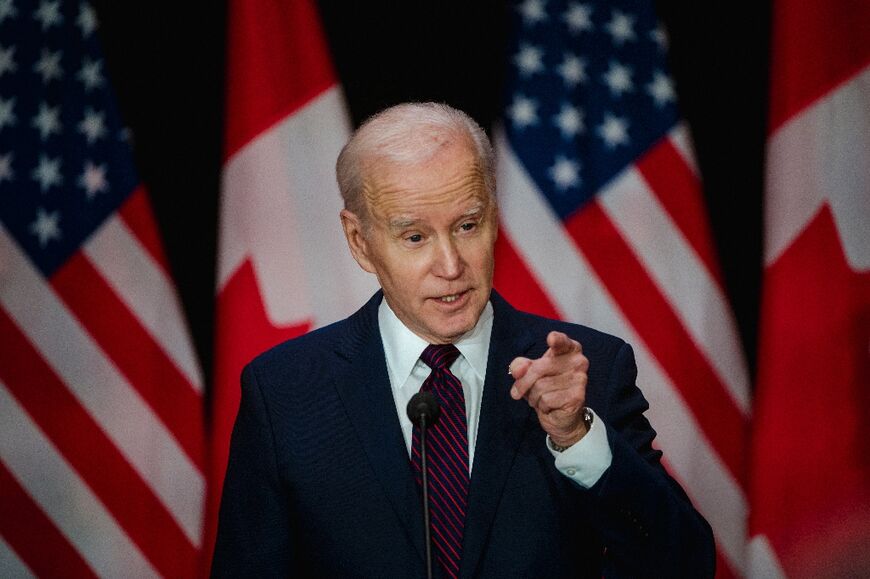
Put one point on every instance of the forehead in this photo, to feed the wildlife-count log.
(450, 180)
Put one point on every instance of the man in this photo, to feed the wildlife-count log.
(542, 459)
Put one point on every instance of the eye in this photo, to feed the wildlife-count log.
(468, 226)
(414, 238)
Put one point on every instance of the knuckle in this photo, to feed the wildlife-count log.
(548, 402)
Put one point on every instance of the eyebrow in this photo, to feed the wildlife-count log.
(404, 222)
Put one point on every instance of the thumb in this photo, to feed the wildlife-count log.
(517, 369)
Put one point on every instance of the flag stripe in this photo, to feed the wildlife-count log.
(98, 387)
(692, 294)
(149, 294)
(681, 139)
(119, 333)
(801, 178)
(690, 457)
(515, 281)
(817, 46)
(92, 454)
(267, 84)
(64, 497)
(136, 213)
(267, 204)
(723, 569)
(579, 296)
(113, 485)
(11, 564)
(679, 190)
(650, 313)
(35, 539)
(762, 560)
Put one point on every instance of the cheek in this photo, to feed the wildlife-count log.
(404, 273)
(482, 259)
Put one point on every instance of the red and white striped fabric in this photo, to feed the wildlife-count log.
(283, 265)
(625, 266)
(604, 224)
(101, 416)
(811, 456)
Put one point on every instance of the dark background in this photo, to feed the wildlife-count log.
(166, 61)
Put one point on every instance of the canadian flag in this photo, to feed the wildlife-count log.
(810, 489)
(283, 265)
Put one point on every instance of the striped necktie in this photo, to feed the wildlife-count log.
(447, 447)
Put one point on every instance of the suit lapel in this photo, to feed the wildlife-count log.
(364, 387)
(503, 422)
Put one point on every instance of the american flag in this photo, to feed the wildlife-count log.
(603, 223)
(101, 430)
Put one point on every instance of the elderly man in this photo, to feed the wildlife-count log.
(541, 463)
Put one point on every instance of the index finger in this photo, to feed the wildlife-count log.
(560, 344)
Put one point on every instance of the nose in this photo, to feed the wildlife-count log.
(448, 262)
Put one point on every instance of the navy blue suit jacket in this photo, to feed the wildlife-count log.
(319, 481)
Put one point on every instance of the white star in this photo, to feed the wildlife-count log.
(532, 12)
(578, 17)
(90, 74)
(47, 173)
(7, 116)
(569, 120)
(7, 60)
(529, 60)
(87, 20)
(661, 89)
(523, 112)
(660, 37)
(48, 65)
(621, 27)
(618, 79)
(572, 70)
(47, 121)
(614, 131)
(48, 14)
(565, 173)
(45, 227)
(7, 10)
(93, 179)
(6, 172)
(92, 126)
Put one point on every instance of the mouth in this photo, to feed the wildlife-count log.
(451, 298)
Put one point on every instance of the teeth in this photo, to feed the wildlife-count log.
(449, 299)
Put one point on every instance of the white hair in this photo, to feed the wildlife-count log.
(407, 134)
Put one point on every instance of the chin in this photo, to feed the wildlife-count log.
(450, 332)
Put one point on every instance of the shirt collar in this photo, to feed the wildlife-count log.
(403, 347)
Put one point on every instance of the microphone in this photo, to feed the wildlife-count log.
(424, 410)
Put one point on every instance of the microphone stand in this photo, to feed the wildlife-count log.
(425, 468)
(424, 411)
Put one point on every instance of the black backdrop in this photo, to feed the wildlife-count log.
(166, 61)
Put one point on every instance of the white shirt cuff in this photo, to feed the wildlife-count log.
(585, 461)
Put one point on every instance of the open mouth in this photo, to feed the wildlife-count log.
(450, 298)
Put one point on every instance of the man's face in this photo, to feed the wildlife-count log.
(430, 242)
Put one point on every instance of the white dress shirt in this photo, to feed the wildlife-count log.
(584, 462)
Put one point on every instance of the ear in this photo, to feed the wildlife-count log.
(356, 240)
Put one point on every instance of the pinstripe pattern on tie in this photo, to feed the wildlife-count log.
(447, 447)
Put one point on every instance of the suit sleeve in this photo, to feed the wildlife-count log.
(253, 537)
(644, 517)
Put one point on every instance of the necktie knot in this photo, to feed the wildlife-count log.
(439, 356)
